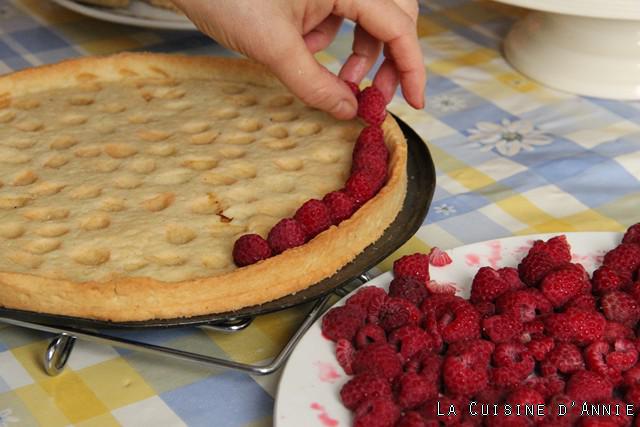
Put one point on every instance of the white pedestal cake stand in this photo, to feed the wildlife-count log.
(587, 47)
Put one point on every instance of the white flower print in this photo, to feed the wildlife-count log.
(447, 103)
(6, 417)
(445, 209)
(508, 138)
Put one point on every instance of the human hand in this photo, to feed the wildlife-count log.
(284, 35)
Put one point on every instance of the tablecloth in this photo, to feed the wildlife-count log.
(512, 158)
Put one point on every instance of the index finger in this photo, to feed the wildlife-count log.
(387, 22)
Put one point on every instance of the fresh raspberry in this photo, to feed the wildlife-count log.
(361, 186)
(584, 302)
(458, 320)
(414, 265)
(625, 258)
(634, 290)
(372, 106)
(412, 390)
(502, 420)
(524, 304)
(526, 396)
(378, 358)
(589, 386)
(540, 347)
(371, 139)
(507, 377)
(614, 331)
(381, 412)
(341, 206)
(343, 322)
(620, 307)
(371, 299)
(606, 279)
(314, 216)
(565, 358)
(557, 247)
(438, 303)
(601, 421)
(412, 419)
(441, 287)
(439, 258)
(363, 387)
(554, 418)
(249, 249)
(579, 327)
(595, 356)
(624, 356)
(355, 89)
(345, 353)
(409, 288)
(631, 377)
(427, 364)
(535, 266)
(632, 234)
(464, 375)
(370, 164)
(397, 312)
(632, 396)
(368, 334)
(511, 276)
(621, 419)
(410, 340)
(286, 234)
(565, 283)
(480, 350)
(491, 395)
(513, 363)
(488, 285)
(531, 330)
(370, 153)
(546, 386)
(485, 309)
(501, 328)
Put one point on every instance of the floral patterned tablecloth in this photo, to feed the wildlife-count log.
(512, 157)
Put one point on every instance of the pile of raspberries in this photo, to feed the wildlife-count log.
(368, 175)
(542, 333)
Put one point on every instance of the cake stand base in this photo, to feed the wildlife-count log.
(587, 56)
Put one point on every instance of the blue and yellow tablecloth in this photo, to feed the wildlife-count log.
(512, 157)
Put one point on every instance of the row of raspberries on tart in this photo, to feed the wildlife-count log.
(542, 333)
(368, 174)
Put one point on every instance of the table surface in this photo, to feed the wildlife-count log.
(512, 158)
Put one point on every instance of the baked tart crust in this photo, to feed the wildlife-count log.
(125, 180)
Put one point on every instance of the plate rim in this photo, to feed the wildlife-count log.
(278, 405)
(104, 14)
(615, 9)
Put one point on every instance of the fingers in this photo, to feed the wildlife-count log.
(366, 50)
(322, 36)
(388, 23)
(387, 79)
(293, 63)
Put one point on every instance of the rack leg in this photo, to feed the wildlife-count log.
(57, 354)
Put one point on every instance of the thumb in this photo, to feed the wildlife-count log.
(292, 62)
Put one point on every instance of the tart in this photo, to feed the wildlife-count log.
(125, 181)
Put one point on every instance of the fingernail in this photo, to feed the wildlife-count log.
(344, 110)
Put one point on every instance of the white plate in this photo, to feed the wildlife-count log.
(308, 394)
(611, 9)
(138, 13)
